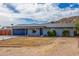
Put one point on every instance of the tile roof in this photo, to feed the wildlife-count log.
(46, 25)
(60, 25)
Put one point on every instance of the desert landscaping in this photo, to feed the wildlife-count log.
(39, 46)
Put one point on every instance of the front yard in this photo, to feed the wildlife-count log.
(40, 46)
(27, 41)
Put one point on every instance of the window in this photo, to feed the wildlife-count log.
(33, 31)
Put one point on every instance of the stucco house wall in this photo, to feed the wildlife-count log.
(72, 32)
(45, 30)
(59, 31)
(30, 32)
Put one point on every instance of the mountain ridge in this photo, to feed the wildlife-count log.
(72, 19)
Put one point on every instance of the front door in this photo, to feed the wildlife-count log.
(41, 31)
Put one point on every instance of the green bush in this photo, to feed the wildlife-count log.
(51, 33)
(65, 33)
(77, 28)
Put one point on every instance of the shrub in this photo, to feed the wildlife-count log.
(51, 33)
(77, 28)
(65, 33)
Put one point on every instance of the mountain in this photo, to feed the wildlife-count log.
(72, 19)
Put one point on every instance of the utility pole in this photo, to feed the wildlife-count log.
(11, 29)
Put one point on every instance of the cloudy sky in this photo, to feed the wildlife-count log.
(31, 13)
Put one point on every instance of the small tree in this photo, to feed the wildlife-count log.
(51, 33)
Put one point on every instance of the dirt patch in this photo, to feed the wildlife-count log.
(26, 41)
(59, 46)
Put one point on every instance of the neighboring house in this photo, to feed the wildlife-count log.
(42, 29)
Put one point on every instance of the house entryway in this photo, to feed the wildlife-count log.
(65, 33)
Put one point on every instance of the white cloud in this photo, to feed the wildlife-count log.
(41, 12)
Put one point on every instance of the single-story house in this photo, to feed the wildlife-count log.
(42, 29)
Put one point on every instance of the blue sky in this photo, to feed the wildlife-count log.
(68, 5)
(28, 13)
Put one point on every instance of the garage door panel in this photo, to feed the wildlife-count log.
(18, 31)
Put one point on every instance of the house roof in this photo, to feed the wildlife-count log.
(43, 25)
(60, 25)
(28, 26)
(35, 25)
